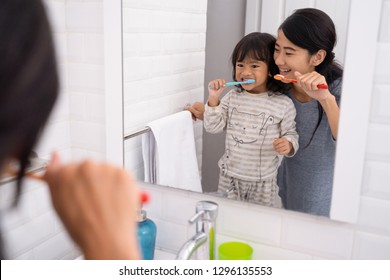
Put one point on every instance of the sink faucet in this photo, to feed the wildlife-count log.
(203, 242)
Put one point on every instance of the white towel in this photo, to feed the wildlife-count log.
(169, 153)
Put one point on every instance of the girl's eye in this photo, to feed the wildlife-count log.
(255, 66)
(239, 65)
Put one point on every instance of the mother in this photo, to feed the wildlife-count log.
(304, 51)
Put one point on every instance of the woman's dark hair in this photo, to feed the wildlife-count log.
(258, 46)
(313, 30)
(28, 80)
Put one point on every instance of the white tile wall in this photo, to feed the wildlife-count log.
(233, 221)
(371, 246)
(75, 129)
(376, 178)
(164, 57)
(376, 140)
(382, 57)
(374, 214)
(321, 239)
(380, 111)
(384, 35)
(84, 16)
(28, 235)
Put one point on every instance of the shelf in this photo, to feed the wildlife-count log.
(36, 165)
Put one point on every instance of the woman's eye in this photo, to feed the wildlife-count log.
(239, 65)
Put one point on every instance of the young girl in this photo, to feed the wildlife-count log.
(303, 51)
(259, 123)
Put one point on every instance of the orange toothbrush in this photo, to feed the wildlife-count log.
(280, 77)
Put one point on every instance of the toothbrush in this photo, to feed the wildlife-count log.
(228, 84)
(144, 196)
(280, 77)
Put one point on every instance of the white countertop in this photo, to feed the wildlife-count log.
(158, 255)
(163, 255)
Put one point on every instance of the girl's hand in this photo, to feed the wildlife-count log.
(216, 88)
(309, 81)
(282, 146)
(97, 204)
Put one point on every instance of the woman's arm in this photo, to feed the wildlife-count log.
(332, 111)
(97, 204)
(197, 110)
(308, 82)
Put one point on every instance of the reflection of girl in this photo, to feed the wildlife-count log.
(259, 122)
(303, 51)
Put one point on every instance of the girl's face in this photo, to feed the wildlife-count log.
(289, 57)
(257, 70)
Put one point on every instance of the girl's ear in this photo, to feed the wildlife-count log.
(318, 57)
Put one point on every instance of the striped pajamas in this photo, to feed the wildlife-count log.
(248, 168)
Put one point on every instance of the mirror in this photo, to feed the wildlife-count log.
(168, 56)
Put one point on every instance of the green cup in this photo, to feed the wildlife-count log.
(235, 251)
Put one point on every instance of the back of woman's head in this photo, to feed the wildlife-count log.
(258, 46)
(28, 78)
(313, 30)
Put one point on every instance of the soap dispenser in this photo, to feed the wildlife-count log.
(146, 233)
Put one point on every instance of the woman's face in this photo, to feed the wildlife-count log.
(289, 57)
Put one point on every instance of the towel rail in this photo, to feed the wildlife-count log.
(35, 165)
(136, 133)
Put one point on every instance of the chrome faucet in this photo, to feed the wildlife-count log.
(202, 244)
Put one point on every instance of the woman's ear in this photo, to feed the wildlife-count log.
(318, 57)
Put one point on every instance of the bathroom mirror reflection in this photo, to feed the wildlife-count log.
(172, 49)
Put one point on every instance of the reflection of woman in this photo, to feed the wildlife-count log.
(96, 202)
(303, 51)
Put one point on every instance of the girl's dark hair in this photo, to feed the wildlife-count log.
(258, 46)
(28, 80)
(313, 30)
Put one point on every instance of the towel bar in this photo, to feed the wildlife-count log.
(136, 133)
(36, 165)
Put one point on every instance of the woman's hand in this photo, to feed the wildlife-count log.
(98, 204)
(216, 88)
(309, 82)
(197, 109)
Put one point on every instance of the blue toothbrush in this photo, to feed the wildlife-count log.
(228, 84)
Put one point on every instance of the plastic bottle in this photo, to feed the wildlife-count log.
(146, 233)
